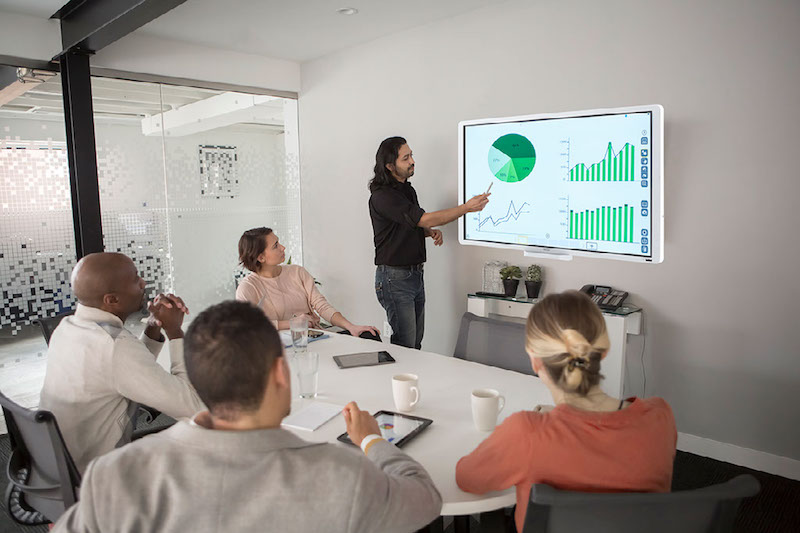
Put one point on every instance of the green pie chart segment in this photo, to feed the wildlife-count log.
(511, 158)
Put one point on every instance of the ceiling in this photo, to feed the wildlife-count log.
(110, 98)
(38, 8)
(134, 102)
(299, 30)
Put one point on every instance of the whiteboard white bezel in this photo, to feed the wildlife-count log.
(656, 184)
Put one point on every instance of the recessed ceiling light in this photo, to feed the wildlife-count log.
(347, 11)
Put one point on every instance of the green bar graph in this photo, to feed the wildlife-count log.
(614, 225)
(613, 167)
(606, 223)
(571, 224)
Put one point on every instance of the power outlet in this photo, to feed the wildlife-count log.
(387, 329)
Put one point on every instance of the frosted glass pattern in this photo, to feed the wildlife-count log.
(36, 237)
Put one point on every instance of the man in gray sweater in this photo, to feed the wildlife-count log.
(232, 468)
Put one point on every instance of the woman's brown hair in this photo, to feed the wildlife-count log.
(252, 243)
(568, 333)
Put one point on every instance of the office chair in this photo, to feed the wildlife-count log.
(493, 342)
(49, 324)
(706, 510)
(43, 479)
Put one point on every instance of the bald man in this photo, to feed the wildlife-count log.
(98, 371)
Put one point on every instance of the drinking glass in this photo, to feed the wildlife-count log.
(307, 365)
(299, 328)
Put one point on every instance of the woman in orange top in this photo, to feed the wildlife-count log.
(590, 441)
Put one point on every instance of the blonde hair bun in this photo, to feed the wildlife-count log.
(575, 343)
(568, 333)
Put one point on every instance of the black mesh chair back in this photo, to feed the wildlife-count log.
(43, 479)
(706, 510)
(493, 342)
(49, 324)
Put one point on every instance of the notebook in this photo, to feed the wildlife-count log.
(312, 416)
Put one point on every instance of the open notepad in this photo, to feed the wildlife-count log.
(312, 416)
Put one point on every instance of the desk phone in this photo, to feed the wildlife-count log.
(606, 298)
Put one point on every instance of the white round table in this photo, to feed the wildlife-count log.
(445, 386)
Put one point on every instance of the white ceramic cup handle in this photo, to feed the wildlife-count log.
(416, 396)
(502, 403)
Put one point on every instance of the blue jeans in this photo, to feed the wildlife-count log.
(401, 292)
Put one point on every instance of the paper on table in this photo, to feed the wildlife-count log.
(312, 416)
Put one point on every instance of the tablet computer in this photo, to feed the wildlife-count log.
(353, 360)
(397, 428)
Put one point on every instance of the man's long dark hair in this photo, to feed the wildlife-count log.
(386, 155)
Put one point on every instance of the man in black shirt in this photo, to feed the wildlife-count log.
(400, 226)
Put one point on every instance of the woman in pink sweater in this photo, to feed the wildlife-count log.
(284, 291)
(590, 441)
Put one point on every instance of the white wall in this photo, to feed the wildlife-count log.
(722, 329)
(152, 55)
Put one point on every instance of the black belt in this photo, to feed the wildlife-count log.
(407, 267)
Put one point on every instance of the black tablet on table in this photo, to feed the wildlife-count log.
(397, 428)
(353, 360)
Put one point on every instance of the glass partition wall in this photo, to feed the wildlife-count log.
(37, 243)
(182, 171)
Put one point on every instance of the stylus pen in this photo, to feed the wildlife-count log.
(490, 188)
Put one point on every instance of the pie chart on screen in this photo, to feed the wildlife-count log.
(511, 158)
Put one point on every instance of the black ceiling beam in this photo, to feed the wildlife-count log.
(88, 26)
(13, 61)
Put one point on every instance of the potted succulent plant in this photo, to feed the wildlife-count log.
(533, 281)
(510, 276)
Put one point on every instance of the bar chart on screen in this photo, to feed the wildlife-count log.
(613, 167)
(606, 223)
(580, 183)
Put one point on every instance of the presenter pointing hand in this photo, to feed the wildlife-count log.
(477, 202)
(400, 227)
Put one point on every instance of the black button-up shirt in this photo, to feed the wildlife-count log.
(395, 213)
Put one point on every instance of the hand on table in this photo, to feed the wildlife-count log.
(359, 423)
(313, 320)
(356, 331)
(167, 312)
(437, 237)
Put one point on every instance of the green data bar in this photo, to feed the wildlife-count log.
(604, 223)
(571, 224)
(614, 225)
(630, 228)
(625, 225)
(602, 212)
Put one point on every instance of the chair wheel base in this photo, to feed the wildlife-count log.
(17, 508)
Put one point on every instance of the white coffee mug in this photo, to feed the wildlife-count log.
(486, 405)
(405, 389)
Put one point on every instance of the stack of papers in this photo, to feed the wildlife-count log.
(313, 416)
